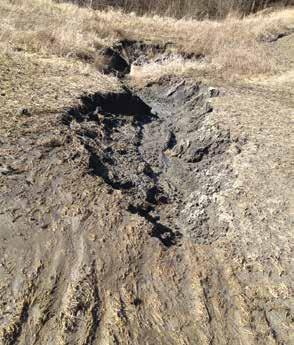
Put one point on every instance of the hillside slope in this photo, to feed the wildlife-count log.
(153, 208)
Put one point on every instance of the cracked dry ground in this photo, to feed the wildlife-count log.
(155, 216)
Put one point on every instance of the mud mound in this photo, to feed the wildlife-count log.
(188, 155)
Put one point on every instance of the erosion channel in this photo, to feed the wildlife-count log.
(160, 151)
(109, 211)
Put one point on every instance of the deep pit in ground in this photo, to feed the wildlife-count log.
(158, 147)
(119, 58)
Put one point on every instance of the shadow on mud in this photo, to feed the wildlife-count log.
(123, 103)
(166, 235)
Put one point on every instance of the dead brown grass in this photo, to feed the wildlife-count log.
(186, 8)
(44, 86)
(233, 48)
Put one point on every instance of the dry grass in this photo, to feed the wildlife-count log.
(44, 86)
(186, 8)
(175, 65)
(233, 48)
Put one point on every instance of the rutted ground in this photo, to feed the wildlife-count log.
(151, 216)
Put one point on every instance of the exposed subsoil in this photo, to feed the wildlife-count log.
(159, 153)
(119, 58)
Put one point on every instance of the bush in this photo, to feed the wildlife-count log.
(182, 8)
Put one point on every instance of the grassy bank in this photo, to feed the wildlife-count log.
(232, 48)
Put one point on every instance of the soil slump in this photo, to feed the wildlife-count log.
(188, 155)
(119, 58)
(156, 148)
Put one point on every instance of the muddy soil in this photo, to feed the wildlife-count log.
(115, 227)
(159, 151)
